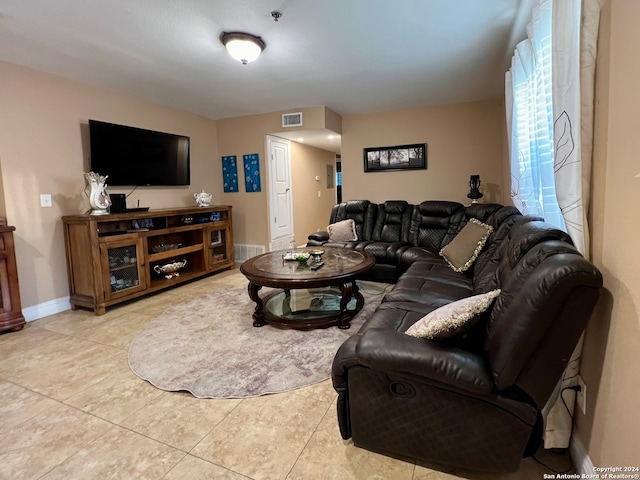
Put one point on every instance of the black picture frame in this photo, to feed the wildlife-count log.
(399, 157)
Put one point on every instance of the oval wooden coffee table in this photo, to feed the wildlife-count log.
(307, 298)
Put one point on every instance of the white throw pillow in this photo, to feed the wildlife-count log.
(453, 319)
(344, 231)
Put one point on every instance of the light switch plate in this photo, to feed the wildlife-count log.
(45, 200)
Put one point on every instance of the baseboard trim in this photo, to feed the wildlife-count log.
(45, 309)
(581, 460)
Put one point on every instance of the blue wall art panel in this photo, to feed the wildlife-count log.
(252, 172)
(230, 173)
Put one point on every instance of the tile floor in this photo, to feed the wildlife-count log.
(70, 408)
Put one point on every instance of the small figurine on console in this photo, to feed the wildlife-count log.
(203, 199)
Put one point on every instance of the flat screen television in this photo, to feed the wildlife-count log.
(133, 156)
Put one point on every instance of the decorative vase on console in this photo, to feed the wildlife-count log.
(203, 199)
(98, 196)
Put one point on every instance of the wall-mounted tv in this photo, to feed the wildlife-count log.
(133, 156)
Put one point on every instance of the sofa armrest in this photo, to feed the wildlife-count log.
(318, 238)
(391, 351)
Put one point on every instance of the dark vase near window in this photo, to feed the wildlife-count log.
(474, 185)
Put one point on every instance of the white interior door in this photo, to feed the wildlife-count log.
(281, 206)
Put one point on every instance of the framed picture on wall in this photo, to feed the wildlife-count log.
(400, 157)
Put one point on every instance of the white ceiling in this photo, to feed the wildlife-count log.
(354, 56)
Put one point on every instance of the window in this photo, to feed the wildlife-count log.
(529, 88)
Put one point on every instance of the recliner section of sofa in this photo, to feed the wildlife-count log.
(394, 229)
(474, 401)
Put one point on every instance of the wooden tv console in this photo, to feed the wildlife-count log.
(112, 258)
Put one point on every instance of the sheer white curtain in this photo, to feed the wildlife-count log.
(575, 34)
(549, 100)
(529, 96)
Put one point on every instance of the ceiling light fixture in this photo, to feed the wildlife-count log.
(243, 47)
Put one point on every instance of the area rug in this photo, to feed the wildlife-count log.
(209, 347)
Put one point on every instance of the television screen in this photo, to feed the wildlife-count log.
(133, 156)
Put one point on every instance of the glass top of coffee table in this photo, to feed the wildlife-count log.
(336, 261)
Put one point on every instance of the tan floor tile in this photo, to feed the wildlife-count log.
(18, 404)
(64, 373)
(327, 456)
(38, 357)
(192, 468)
(235, 279)
(322, 391)
(200, 289)
(263, 436)
(73, 322)
(120, 331)
(14, 345)
(37, 445)
(119, 454)
(153, 305)
(179, 419)
(116, 397)
(423, 473)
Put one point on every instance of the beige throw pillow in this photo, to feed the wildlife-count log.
(463, 250)
(453, 319)
(344, 231)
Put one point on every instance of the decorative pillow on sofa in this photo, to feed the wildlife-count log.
(463, 250)
(344, 231)
(453, 319)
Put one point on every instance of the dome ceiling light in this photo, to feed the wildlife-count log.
(243, 47)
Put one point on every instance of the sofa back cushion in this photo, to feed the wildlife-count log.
(522, 237)
(484, 273)
(392, 222)
(435, 223)
(548, 275)
(482, 211)
(362, 212)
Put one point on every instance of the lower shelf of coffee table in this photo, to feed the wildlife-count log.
(306, 309)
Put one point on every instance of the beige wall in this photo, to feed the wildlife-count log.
(44, 149)
(610, 430)
(311, 213)
(463, 139)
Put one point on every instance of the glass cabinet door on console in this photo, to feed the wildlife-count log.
(122, 266)
(218, 245)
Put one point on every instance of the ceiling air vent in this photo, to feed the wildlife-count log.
(292, 119)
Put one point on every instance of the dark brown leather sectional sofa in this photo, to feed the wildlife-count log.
(474, 401)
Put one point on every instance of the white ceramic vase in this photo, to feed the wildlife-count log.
(203, 199)
(98, 196)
